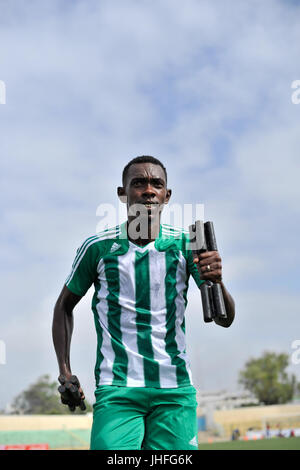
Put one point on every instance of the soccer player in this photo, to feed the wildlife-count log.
(140, 269)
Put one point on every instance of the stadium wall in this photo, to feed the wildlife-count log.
(44, 422)
(73, 431)
(57, 431)
(257, 417)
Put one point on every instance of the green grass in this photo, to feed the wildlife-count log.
(284, 443)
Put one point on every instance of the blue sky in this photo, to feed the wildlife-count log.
(204, 86)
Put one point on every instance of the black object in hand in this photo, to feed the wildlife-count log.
(202, 238)
(69, 391)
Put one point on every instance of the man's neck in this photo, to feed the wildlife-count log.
(143, 237)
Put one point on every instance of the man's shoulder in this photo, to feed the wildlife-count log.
(102, 239)
(175, 237)
(110, 233)
(171, 231)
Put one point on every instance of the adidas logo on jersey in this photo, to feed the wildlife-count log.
(193, 442)
(114, 247)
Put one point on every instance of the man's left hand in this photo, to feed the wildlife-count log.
(209, 265)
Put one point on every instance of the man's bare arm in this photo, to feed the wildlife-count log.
(62, 328)
(214, 274)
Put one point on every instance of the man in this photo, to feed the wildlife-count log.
(140, 270)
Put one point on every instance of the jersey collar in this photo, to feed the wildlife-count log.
(124, 235)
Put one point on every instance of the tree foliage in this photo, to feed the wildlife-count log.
(267, 379)
(42, 397)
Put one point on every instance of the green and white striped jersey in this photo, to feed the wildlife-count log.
(139, 303)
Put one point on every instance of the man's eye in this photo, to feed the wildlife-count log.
(157, 184)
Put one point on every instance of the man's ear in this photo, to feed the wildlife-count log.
(121, 194)
(169, 193)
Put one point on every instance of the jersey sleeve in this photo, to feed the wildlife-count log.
(192, 269)
(84, 269)
(191, 266)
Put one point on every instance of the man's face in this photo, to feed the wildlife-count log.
(145, 184)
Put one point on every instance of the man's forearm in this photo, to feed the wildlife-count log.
(230, 309)
(62, 329)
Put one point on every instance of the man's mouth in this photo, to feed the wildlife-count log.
(150, 205)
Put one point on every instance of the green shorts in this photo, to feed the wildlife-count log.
(133, 418)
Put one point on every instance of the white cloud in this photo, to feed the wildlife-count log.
(264, 321)
(274, 172)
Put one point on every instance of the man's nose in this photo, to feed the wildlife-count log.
(149, 189)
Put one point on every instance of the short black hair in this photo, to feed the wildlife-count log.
(142, 159)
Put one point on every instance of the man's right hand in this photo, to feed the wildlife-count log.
(71, 392)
